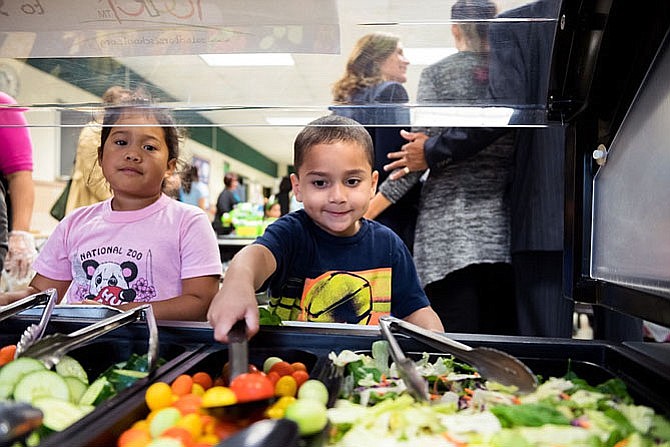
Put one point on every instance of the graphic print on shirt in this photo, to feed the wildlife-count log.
(337, 297)
(116, 281)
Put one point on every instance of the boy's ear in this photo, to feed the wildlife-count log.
(295, 184)
(373, 187)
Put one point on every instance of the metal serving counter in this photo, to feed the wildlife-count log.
(189, 348)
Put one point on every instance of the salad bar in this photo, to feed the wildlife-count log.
(586, 390)
(130, 381)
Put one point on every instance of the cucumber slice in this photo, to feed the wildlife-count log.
(59, 414)
(99, 391)
(77, 388)
(69, 367)
(38, 384)
(124, 378)
(12, 372)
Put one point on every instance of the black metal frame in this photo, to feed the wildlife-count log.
(602, 52)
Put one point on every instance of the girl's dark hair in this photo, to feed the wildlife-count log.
(140, 105)
(329, 129)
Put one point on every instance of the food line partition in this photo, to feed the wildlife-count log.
(189, 348)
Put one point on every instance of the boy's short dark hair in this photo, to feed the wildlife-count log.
(330, 129)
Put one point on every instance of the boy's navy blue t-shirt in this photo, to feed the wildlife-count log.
(321, 277)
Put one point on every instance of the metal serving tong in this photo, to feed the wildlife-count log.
(416, 385)
(33, 332)
(491, 363)
(51, 348)
(26, 303)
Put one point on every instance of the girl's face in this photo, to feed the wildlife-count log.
(394, 67)
(135, 161)
(335, 185)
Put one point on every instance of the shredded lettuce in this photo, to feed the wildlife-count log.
(468, 410)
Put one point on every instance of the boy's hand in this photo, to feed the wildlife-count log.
(228, 307)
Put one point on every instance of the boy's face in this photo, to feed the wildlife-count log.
(335, 185)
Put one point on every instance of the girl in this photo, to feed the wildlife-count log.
(140, 245)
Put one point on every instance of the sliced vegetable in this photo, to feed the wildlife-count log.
(69, 367)
(7, 354)
(38, 384)
(60, 414)
(12, 372)
(124, 378)
(99, 391)
(77, 388)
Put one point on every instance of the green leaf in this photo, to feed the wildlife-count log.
(528, 415)
(267, 318)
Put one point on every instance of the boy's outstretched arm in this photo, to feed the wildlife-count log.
(236, 299)
(426, 318)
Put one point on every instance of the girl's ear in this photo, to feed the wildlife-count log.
(100, 155)
(171, 166)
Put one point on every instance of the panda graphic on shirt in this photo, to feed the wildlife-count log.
(113, 276)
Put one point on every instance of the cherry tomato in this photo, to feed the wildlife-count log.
(252, 386)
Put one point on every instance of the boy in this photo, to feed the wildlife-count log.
(326, 263)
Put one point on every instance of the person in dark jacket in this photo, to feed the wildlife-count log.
(225, 203)
(518, 75)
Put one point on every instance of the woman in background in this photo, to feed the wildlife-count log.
(192, 190)
(373, 80)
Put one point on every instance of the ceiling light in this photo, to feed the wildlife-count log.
(427, 56)
(247, 59)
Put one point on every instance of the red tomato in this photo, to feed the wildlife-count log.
(225, 429)
(252, 386)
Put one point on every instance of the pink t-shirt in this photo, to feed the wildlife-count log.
(121, 256)
(16, 150)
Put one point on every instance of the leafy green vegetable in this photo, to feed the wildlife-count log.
(380, 353)
(660, 428)
(267, 318)
(360, 371)
(529, 415)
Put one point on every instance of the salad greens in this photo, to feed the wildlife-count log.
(466, 410)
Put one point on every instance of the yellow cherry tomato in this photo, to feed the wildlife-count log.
(158, 395)
(218, 396)
(192, 423)
(286, 386)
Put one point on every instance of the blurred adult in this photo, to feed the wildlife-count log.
(371, 85)
(225, 202)
(88, 184)
(519, 65)
(192, 190)
(16, 176)
(461, 247)
(284, 195)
